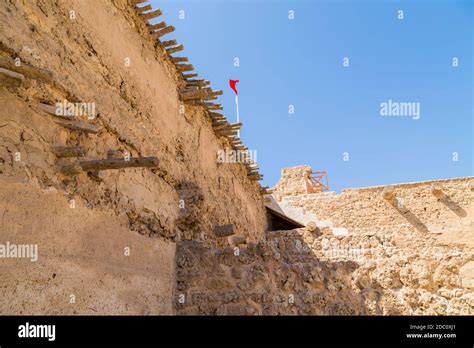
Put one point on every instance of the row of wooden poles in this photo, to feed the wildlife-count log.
(196, 91)
(13, 75)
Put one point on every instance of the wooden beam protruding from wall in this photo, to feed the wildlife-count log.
(223, 230)
(190, 76)
(111, 163)
(388, 193)
(151, 14)
(198, 82)
(69, 151)
(436, 190)
(79, 126)
(174, 49)
(143, 8)
(10, 78)
(157, 26)
(179, 59)
(184, 67)
(164, 31)
(168, 43)
(26, 70)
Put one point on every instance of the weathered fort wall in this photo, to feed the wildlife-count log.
(298, 272)
(140, 241)
(413, 255)
(101, 52)
(415, 207)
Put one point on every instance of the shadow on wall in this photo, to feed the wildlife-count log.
(415, 221)
(407, 214)
(279, 276)
(453, 206)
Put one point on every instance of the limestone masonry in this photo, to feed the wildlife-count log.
(130, 212)
(412, 255)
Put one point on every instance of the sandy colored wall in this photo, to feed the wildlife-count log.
(82, 266)
(292, 182)
(298, 272)
(365, 209)
(415, 258)
(139, 111)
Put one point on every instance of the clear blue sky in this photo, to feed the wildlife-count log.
(337, 109)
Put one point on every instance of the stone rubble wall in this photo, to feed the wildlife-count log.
(411, 256)
(298, 272)
(291, 182)
(365, 209)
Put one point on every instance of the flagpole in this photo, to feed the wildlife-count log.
(238, 116)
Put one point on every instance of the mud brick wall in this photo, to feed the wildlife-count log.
(100, 52)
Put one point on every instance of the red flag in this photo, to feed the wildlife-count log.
(232, 84)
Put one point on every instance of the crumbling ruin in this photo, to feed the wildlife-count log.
(132, 213)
